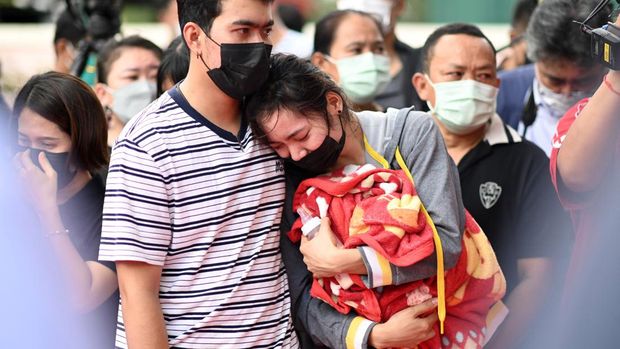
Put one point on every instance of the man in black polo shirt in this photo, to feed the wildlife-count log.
(504, 179)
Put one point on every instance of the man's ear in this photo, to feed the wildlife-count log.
(422, 86)
(191, 34)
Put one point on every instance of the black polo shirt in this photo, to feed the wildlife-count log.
(507, 188)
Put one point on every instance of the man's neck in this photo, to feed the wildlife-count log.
(213, 104)
(459, 145)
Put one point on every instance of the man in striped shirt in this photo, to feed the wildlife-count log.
(193, 200)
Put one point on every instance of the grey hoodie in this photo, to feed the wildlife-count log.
(437, 183)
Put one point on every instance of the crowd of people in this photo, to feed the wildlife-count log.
(247, 188)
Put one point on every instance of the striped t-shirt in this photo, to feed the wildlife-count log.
(205, 205)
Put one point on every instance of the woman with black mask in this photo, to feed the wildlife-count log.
(304, 117)
(61, 137)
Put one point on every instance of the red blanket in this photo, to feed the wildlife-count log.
(380, 208)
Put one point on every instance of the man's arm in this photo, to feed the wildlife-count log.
(525, 302)
(142, 315)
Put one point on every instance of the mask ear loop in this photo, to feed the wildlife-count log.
(199, 54)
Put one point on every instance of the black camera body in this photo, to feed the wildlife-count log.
(101, 21)
(605, 44)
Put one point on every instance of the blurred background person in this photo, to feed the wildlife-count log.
(67, 36)
(127, 75)
(31, 292)
(174, 65)
(404, 60)
(62, 141)
(515, 54)
(167, 15)
(585, 166)
(286, 40)
(291, 16)
(349, 46)
(532, 98)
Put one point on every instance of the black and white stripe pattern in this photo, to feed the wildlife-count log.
(188, 196)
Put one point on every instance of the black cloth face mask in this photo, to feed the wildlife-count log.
(323, 158)
(59, 162)
(244, 68)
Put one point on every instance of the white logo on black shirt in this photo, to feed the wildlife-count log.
(489, 194)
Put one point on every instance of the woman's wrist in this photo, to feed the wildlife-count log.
(376, 336)
(349, 261)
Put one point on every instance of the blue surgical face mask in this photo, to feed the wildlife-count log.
(130, 99)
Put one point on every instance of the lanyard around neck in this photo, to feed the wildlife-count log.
(441, 286)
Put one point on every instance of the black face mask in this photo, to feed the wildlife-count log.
(59, 162)
(244, 68)
(323, 158)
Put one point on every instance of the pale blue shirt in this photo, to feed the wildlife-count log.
(542, 130)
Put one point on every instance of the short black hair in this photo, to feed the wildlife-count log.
(551, 33)
(521, 14)
(201, 12)
(293, 84)
(68, 28)
(111, 51)
(174, 63)
(449, 29)
(326, 28)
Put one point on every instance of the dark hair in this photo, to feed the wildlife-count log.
(449, 29)
(112, 50)
(67, 28)
(293, 84)
(201, 12)
(174, 63)
(551, 33)
(327, 26)
(291, 16)
(72, 105)
(521, 14)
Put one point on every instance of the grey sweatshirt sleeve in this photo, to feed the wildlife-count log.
(437, 183)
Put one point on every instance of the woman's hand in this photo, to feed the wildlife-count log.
(321, 253)
(40, 185)
(324, 258)
(407, 328)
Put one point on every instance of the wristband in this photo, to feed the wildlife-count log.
(609, 86)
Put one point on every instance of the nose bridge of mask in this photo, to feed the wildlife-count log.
(368, 62)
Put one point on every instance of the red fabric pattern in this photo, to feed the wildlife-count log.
(380, 208)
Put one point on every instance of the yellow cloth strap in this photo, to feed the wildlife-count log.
(441, 285)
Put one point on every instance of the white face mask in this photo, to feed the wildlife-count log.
(558, 103)
(130, 99)
(364, 76)
(381, 8)
(463, 106)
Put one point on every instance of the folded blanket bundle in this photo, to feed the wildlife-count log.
(380, 208)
